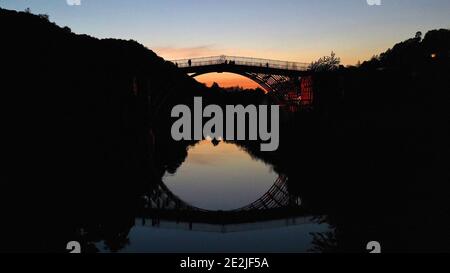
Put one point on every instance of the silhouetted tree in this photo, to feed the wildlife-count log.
(326, 63)
(414, 53)
(215, 86)
(419, 35)
(45, 16)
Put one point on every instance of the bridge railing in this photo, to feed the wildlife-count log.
(244, 61)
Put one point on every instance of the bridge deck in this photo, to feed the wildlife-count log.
(241, 61)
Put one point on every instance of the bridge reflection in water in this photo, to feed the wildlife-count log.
(161, 198)
(250, 208)
(224, 228)
(276, 207)
(162, 207)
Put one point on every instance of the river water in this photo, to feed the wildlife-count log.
(218, 178)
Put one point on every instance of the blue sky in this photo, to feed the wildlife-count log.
(294, 30)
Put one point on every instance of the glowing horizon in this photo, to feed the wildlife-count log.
(227, 80)
(290, 30)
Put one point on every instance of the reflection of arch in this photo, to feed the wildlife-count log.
(277, 197)
(161, 205)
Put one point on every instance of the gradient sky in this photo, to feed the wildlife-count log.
(294, 30)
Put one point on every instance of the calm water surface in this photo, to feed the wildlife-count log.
(220, 178)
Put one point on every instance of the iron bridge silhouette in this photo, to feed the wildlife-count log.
(272, 75)
(277, 203)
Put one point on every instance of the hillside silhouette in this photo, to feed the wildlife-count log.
(415, 53)
(77, 114)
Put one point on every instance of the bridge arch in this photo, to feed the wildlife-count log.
(262, 81)
(273, 76)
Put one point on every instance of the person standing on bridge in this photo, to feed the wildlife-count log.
(189, 62)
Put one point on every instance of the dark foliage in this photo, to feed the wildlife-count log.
(415, 53)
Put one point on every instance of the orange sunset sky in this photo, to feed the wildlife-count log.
(286, 30)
